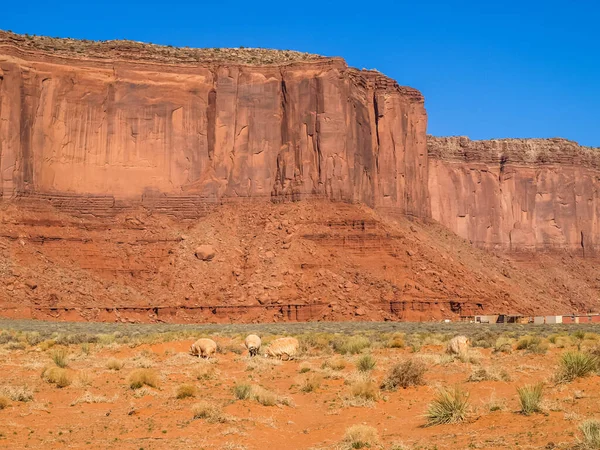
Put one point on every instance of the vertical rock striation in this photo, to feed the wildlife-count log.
(115, 121)
(517, 194)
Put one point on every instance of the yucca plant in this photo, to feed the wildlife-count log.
(449, 406)
(576, 365)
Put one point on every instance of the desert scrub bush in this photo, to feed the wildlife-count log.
(3, 402)
(503, 345)
(57, 376)
(143, 377)
(60, 357)
(334, 364)
(352, 345)
(449, 406)
(486, 339)
(88, 397)
(361, 436)
(590, 434)
(33, 338)
(114, 364)
(185, 391)
(18, 393)
(242, 391)
(311, 383)
(209, 411)
(483, 374)
(533, 344)
(365, 363)
(405, 374)
(530, 398)
(304, 368)
(575, 365)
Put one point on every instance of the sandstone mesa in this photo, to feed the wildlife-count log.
(102, 131)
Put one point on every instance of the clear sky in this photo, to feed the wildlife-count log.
(488, 69)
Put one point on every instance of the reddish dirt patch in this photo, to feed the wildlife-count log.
(123, 418)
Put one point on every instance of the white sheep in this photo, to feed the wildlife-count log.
(287, 346)
(203, 348)
(458, 345)
(252, 343)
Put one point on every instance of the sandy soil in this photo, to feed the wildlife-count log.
(153, 418)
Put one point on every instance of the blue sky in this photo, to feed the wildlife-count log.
(487, 69)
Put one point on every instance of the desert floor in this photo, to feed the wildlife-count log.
(309, 402)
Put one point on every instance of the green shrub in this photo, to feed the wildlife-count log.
(366, 363)
(449, 406)
(405, 374)
(530, 398)
(576, 365)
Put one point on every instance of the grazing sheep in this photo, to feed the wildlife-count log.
(252, 343)
(458, 345)
(203, 348)
(287, 346)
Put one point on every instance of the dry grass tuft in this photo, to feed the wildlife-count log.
(114, 364)
(590, 431)
(268, 398)
(311, 383)
(242, 391)
(361, 436)
(88, 397)
(366, 363)
(143, 377)
(185, 391)
(334, 364)
(18, 393)
(483, 374)
(352, 345)
(530, 398)
(60, 357)
(4, 401)
(212, 412)
(366, 390)
(57, 376)
(405, 374)
(205, 372)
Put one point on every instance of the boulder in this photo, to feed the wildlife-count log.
(205, 252)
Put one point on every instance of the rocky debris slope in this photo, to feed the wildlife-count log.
(517, 194)
(276, 262)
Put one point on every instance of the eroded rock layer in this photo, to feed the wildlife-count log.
(517, 194)
(86, 130)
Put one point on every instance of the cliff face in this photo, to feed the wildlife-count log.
(77, 124)
(517, 194)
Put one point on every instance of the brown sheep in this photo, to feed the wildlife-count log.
(252, 343)
(287, 346)
(203, 348)
(458, 345)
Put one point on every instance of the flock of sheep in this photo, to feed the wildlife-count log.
(288, 347)
(283, 347)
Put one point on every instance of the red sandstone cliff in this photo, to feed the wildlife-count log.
(517, 194)
(142, 123)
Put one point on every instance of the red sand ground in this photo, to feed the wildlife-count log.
(316, 420)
